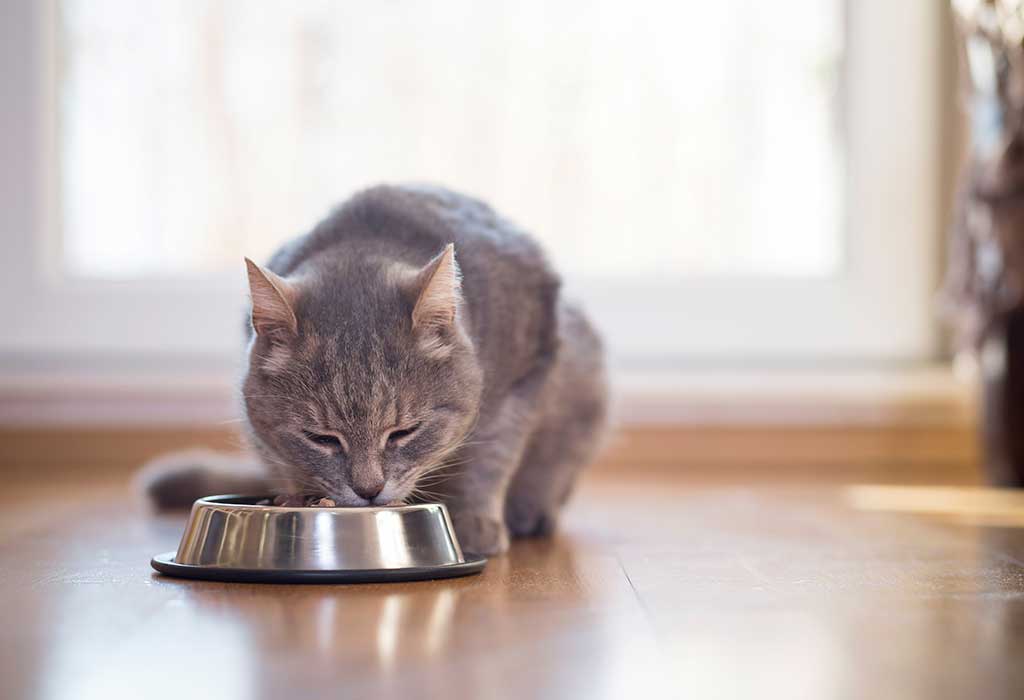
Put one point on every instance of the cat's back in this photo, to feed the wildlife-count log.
(413, 222)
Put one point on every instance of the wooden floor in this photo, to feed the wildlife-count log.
(658, 589)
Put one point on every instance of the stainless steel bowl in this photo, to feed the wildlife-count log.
(230, 538)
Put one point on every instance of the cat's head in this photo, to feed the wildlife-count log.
(361, 380)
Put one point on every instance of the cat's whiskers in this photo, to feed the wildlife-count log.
(434, 471)
(437, 476)
(294, 478)
(432, 475)
(471, 443)
(423, 495)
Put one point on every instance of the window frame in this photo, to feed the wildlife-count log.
(893, 183)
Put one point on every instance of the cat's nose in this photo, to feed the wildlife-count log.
(368, 489)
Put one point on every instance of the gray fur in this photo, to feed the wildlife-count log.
(507, 412)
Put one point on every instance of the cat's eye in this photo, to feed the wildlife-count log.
(332, 442)
(396, 436)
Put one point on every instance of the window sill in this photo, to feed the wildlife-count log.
(921, 395)
(931, 395)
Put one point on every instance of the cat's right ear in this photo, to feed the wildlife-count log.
(440, 291)
(439, 286)
(273, 302)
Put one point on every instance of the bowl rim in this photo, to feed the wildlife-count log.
(224, 499)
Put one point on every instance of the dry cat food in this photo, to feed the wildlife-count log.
(296, 501)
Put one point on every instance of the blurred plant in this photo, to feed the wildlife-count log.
(997, 18)
(984, 288)
(985, 277)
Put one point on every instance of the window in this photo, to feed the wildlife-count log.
(191, 132)
(731, 181)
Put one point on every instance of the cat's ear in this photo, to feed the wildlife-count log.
(273, 301)
(440, 293)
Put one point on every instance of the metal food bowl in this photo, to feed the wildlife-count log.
(230, 538)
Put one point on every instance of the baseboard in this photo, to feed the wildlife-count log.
(905, 453)
(893, 454)
(927, 395)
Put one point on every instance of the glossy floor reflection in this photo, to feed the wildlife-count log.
(664, 589)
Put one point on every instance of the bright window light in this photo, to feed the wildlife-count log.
(635, 139)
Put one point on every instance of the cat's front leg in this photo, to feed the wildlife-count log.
(475, 492)
(480, 532)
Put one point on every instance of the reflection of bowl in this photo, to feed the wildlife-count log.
(230, 538)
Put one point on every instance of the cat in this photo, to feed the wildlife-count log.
(413, 345)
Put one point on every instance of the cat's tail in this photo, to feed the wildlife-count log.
(175, 480)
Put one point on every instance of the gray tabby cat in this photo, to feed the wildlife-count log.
(414, 344)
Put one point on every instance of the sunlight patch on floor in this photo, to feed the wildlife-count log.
(987, 506)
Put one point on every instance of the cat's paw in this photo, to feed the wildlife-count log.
(480, 534)
(530, 519)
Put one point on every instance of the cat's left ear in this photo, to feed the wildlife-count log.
(440, 294)
(273, 301)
